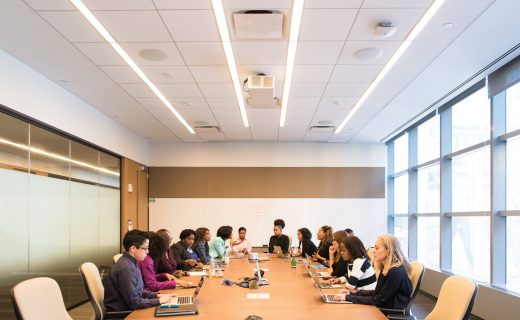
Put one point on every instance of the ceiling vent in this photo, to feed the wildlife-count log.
(206, 129)
(258, 24)
(261, 92)
(322, 129)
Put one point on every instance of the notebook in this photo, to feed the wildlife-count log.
(183, 300)
(180, 310)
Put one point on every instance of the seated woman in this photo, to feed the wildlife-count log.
(167, 263)
(241, 244)
(337, 263)
(201, 246)
(361, 276)
(393, 288)
(217, 247)
(182, 251)
(325, 236)
(306, 246)
(279, 239)
(152, 280)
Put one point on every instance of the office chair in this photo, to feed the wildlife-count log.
(416, 277)
(116, 257)
(96, 292)
(38, 298)
(455, 300)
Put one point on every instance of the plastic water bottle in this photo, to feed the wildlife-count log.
(293, 261)
(211, 268)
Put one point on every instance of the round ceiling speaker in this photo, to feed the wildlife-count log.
(153, 54)
(368, 53)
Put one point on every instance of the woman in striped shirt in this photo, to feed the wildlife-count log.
(360, 274)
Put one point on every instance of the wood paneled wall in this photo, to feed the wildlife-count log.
(267, 182)
(134, 204)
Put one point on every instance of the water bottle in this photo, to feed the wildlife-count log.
(211, 268)
(293, 261)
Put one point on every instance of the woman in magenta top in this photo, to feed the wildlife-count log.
(151, 280)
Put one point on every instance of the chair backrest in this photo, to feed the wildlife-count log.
(455, 299)
(116, 257)
(94, 287)
(39, 298)
(416, 277)
(290, 244)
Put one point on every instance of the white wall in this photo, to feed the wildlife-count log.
(28, 92)
(366, 216)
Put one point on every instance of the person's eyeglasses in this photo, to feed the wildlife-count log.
(144, 248)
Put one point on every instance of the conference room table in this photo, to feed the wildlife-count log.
(292, 295)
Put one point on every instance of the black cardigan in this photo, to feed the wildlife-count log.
(323, 250)
(308, 247)
(392, 291)
(282, 241)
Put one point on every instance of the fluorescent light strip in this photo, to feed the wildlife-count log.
(220, 16)
(57, 156)
(296, 19)
(105, 34)
(395, 57)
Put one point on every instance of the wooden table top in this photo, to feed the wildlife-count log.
(292, 296)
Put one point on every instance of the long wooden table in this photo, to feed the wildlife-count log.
(292, 296)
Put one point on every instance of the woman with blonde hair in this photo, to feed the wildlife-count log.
(393, 288)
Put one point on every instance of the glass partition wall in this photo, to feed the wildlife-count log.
(59, 207)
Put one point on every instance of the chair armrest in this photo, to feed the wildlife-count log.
(400, 317)
(387, 311)
(117, 314)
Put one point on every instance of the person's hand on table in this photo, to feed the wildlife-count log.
(178, 273)
(191, 262)
(339, 297)
(345, 291)
(169, 277)
(333, 281)
(165, 297)
(184, 284)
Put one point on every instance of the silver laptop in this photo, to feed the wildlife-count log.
(327, 298)
(323, 285)
(279, 253)
(180, 300)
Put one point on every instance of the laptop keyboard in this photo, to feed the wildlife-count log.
(329, 298)
(184, 300)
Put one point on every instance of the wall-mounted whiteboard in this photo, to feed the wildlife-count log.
(367, 217)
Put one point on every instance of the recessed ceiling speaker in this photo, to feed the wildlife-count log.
(153, 54)
(384, 30)
(368, 54)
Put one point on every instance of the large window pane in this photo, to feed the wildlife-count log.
(428, 184)
(401, 194)
(401, 153)
(470, 247)
(428, 140)
(50, 153)
(428, 241)
(470, 120)
(401, 231)
(513, 174)
(513, 253)
(471, 181)
(513, 108)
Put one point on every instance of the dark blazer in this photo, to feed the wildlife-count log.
(281, 241)
(308, 247)
(180, 253)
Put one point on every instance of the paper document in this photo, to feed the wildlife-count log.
(258, 296)
(197, 273)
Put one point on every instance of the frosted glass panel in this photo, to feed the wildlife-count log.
(109, 227)
(14, 139)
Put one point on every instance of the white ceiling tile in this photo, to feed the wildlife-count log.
(189, 113)
(326, 24)
(337, 102)
(303, 102)
(257, 4)
(72, 25)
(134, 26)
(364, 112)
(227, 113)
(388, 89)
(100, 53)
(292, 133)
(330, 113)
(345, 89)
(189, 102)
(388, 48)
(317, 137)
(222, 103)
(119, 4)
(191, 25)
(202, 53)
(306, 113)
(260, 52)
(396, 3)
(210, 121)
(264, 122)
(368, 19)
(307, 89)
(182, 90)
(182, 4)
(312, 73)
(217, 90)
(164, 114)
(290, 122)
(137, 90)
(151, 103)
(318, 52)
(168, 74)
(50, 5)
(211, 74)
(263, 113)
(235, 121)
(332, 4)
(375, 102)
(121, 74)
(355, 73)
(172, 55)
(236, 133)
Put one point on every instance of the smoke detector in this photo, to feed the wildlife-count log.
(384, 30)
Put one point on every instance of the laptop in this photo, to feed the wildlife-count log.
(178, 310)
(324, 285)
(326, 297)
(183, 300)
(279, 253)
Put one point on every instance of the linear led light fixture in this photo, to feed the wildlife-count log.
(105, 34)
(296, 18)
(57, 157)
(220, 16)
(395, 57)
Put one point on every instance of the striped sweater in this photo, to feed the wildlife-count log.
(361, 275)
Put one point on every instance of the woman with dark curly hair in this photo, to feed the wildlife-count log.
(306, 246)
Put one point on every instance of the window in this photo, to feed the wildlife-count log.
(513, 108)
(428, 241)
(470, 247)
(513, 254)
(470, 120)
(471, 181)
(428, 140)
(401, 231)
(513, 174)
(428, 197)
(401, 153)
(401, 194)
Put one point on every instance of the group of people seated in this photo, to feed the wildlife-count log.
(151, 263)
